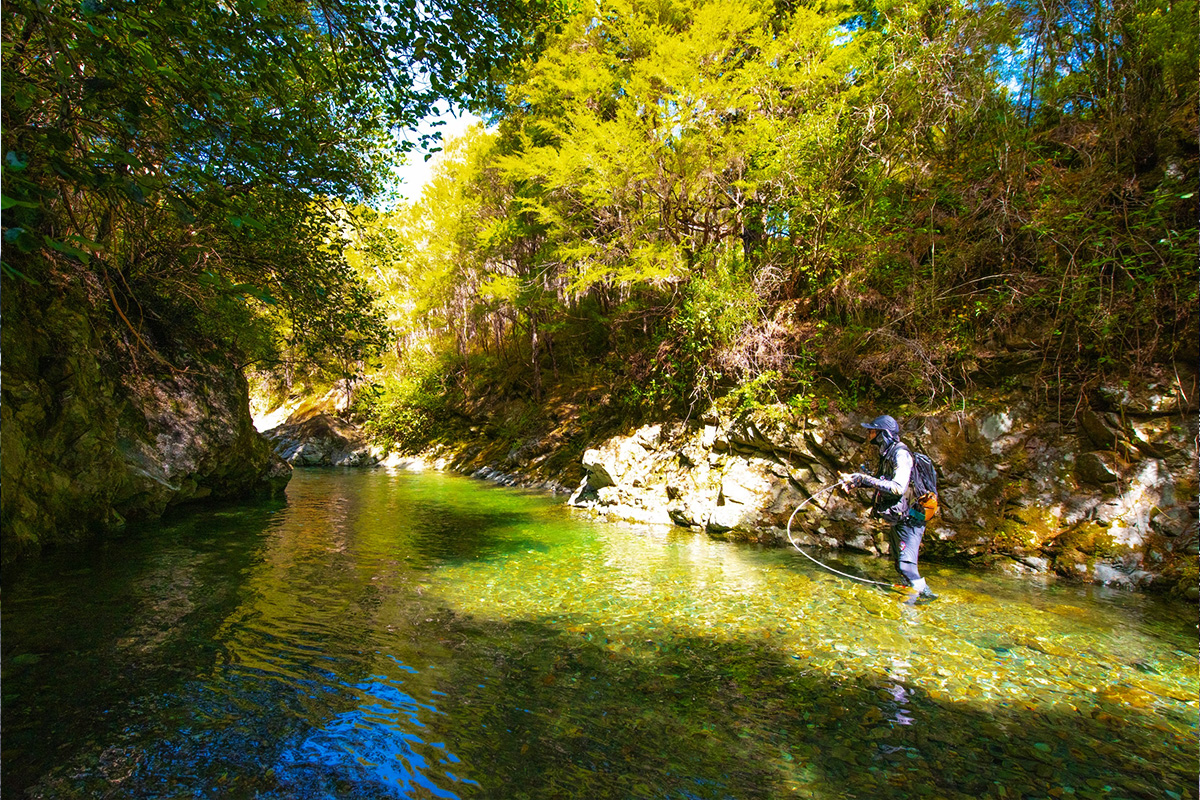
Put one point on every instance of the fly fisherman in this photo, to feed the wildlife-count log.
(891, 500)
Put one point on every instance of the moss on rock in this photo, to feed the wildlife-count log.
(95, 430)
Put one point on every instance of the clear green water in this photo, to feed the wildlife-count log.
(395, 635)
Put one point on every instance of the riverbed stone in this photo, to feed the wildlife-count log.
(683, 516)
(1108, 575)
(730, 517)
(1096, 469)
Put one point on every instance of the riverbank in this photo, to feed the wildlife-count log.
(1104, 493)
(104, 423)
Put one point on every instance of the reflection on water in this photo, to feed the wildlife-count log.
(395, 635)
(374, 746)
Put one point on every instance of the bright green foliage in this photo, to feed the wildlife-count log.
(409, 406)
(706, 332)
(683, 197)
(676, 198)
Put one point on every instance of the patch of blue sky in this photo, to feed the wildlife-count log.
(417, 166)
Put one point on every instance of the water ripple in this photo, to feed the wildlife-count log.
(374, 748)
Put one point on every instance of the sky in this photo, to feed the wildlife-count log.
(413, 176)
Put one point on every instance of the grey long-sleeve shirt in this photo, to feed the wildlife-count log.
(898, 485)
(893, 487)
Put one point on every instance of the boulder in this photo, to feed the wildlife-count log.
(731, 517)
(321, 439)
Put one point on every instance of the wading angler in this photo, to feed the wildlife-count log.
(905, 498)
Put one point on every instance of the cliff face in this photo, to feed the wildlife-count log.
(93, 433)
(1110, 499)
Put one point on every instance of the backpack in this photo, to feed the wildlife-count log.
(924, 485)
(921, 499)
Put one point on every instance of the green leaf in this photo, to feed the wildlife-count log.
(13, 272)
(67, 249)
(7, 202)
(83, 241)
(22, 238)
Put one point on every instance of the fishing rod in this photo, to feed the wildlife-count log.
(810, 498)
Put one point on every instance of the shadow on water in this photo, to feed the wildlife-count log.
(445, 533)
(425, 519)
(164, 658)
(685, 716)
(315, 654)
(563, 713)
(90, 628)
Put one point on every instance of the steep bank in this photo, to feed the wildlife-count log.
(1106, 493)
(100, 426)
(1110, 499)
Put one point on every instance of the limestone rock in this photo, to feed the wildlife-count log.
(1013, 484)
(749, 483)
(599, 471)
(1153, 399)
(730, 517)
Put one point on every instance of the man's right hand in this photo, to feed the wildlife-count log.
(849, 479)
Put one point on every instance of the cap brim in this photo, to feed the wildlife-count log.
(869, 426)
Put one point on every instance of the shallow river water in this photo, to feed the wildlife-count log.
(385, 635)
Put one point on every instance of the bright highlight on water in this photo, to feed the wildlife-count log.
(395, 635)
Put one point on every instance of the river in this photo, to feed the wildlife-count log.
(386, 634)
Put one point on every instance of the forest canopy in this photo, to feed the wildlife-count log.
(680, 200)
(686, 200)
(184, 160)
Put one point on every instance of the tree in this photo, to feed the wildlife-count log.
(220, 128)
(688, 195)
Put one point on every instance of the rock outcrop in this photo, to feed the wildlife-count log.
(312, 437)
(1110, 499)
(91, 436)
(1105, 493)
